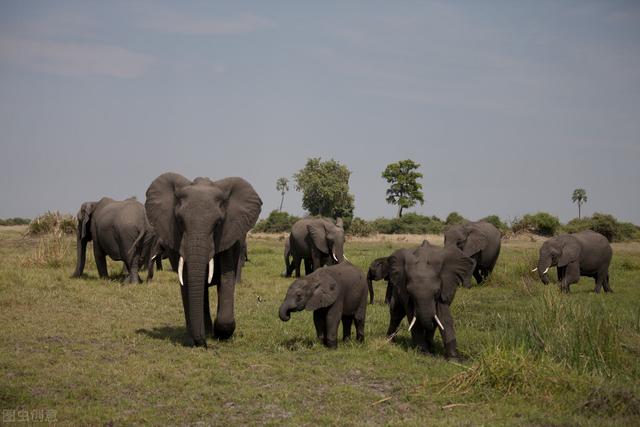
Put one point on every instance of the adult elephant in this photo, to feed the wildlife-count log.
(203, 225)
(118, 229)
(586, 253)
(317, 241)
(424, 285)
(481, 242)
(379, 270)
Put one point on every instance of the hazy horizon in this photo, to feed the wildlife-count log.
(508, 107)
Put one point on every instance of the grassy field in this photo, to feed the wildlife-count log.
(92, 351)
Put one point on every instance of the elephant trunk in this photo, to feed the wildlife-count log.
(542, 269)
(196, 268)
(285, 311)
(338, 253)
(426, 314)
(81, 247)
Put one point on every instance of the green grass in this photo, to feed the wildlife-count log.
(97, 351)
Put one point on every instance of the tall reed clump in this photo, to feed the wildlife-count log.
(583, 335)
(51, 222)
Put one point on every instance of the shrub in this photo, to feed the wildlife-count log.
(411, 223)
(15, 221)
(276, 222)
(51, 251)
(360, 227)
(605, 224)
(454, 218)
(496, 221)
(539, 223)
(51, 222)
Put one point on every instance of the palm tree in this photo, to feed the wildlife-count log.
(282, 185)
(579, 197)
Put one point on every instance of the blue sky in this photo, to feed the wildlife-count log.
(509, 106)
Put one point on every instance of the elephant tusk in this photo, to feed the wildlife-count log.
(545, 272)
(334, 256)
(413, 322)
(180, 267)
(534, 270)
(153, 257)
(435, 316)
(210, 271)
(346, 259)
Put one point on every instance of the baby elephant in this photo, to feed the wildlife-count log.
(334, 293)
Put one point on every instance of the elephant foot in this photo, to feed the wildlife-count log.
(223, 331)
(332, 344)
(450, 351)
(200, 342)
(360, 338)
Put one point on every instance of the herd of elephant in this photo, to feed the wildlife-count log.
(201, 227)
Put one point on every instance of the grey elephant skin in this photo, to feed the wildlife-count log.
(203, 225)
(118, 229)
(481, 242)
(379, 270)
(317, 242)
(424, 286)
(586, 253)
(334, 293)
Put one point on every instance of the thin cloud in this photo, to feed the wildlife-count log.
(74, 59)
(171, 22)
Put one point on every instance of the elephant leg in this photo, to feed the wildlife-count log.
(320, 322)
(448, 333)
(159, 262)
(174, 258)
(466, 281)
(316, 261)
(571, 275)
(208, 324)
(371, 294)
(101, 261)
(308, 267)
(296, 265)
(605, 282)
(225, 323)
(82, 256)
(602, 280)
(396, 314)
(347, 321)
(334, 315)
(134, 276)
(359, 321)
(125, 269)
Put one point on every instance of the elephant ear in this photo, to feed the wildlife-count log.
(398, 273)
(160, 207)
(325, 294)
(84, 218)
(455, 267)
(570, 253)
(318, 234)
(476, 241)
(243, 206)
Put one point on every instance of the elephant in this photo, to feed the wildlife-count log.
(379, 270)
(424, 283)
(244, 257)
(586, 253)
(481, 242)
(203, 225)
(119, 229)
(317, 241)
(333, 293)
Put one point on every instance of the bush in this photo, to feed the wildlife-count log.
(276, 222)
(605, 224)
(52, 222)
(52, 251)
(411, 223)
(497, 222)
(539, 223)
(360, 227)
(15, 221)
(454, 218)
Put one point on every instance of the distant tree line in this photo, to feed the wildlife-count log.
(15, 221)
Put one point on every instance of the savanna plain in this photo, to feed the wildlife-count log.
(100, 352)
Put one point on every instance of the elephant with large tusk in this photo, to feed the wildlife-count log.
(203, 225)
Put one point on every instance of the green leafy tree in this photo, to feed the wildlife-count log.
(325, 188)
(405, 190)
(579, 196)
(454, 218)
(282, 185)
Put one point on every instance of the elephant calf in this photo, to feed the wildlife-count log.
(119, 229)
(586, 253)
(334, 293)
(379, 270)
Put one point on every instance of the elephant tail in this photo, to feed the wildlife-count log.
(138, 244)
